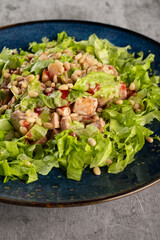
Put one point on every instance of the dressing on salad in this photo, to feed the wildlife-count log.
(72, 104)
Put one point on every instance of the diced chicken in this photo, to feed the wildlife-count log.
(85, 106)
(64, 111)
(16, 117)
(55, 68)
(99, 124)
(108, 69)
(8, 96)
(55, 120)
(123, 91)
(65, 123)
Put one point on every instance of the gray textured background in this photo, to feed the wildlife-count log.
(136, 217)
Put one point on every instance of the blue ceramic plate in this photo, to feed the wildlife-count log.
(55, 190)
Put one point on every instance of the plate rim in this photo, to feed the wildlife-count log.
(88, 201)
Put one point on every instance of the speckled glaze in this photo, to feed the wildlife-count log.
(55, 190)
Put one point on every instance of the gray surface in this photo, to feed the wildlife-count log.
(136, 217)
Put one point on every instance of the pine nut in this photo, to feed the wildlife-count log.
(66, 65)
(55, 80)
(14, 83)
(70, 85)
(131, 102)
(30, 119)
(15, 90)
(43, 87)
(149, 139)
(74, 77)
(3, 108)
(24, 84)
(73, 115)
(109, 161)
(102, 101)
(63, 87)
(48, 83)
(92, 141)
(53, 85)
(30, 55)
(19, 78)
(78, 56)
(137, 106)
(132, 86)
(28, 113)
(119, 101)
(48, 125)
(97, 171)
(48, 90)
(33, 94)
(99, 110)
(23, 130)
(21, 122)
(6, 75)
(30, 78)
(38, 121)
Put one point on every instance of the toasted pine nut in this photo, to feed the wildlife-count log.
(24, 84)
(55, 80)
(30, 55)
(99, 110)
(6, 75)
(78, 56)
(15, 90)
(73, 115)
(92, 141)
(38, 121)
(63, 87)
(132, 86)
(109, 161)
(19, 78)
(48, 83)
(48, 90)
(48, 125)
(131, 102)
(30, 119)
(97, 171)
(28, 113)
(53, 84)
(74, 77)
(23, 130)
(119, 101)
(102, 101)
(33, 94)
(137, 106)
(70, 85)
(66, 65)
(29, 78)
(149, 139)
(14, 83)
(21, 122)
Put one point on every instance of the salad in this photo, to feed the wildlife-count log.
(69, 105)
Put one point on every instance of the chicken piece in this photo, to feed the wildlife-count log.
(55, 120)
(65, 123)
(108, 69)
(55, 68)
(85, 106)
(16, 117)
(64, 111)
(99, 124)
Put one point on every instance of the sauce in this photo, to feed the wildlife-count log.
(93, 90)
(64, 94)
